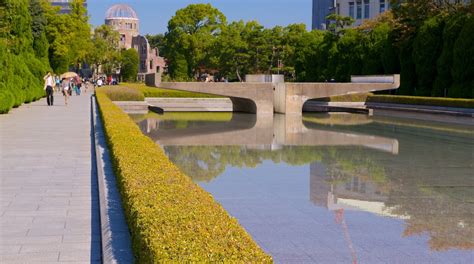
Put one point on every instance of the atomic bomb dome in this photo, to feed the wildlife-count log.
(123, 19)
(121, 11)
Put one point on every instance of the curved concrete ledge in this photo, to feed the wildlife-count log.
(254, 98)
(115, 236)
(191, 104)
(133, 107)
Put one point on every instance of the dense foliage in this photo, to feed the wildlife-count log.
(34, 38)
(23, 56)
(130, 61)
(106, 52)
(171, 219)
(429, 42)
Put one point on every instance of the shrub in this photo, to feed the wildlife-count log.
(171, 219)
(120, 93)
(417, 100)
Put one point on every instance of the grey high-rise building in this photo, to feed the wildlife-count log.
(64, 4)
(321, 9)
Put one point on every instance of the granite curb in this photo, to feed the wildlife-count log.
(116, 242)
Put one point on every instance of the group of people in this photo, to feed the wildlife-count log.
(65, 85)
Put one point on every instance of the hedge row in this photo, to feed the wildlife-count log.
(171, 219)
(20, 79)
(418, 100)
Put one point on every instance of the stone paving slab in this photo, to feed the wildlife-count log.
(49, 209)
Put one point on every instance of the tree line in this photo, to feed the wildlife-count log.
(35, 38)
(428, 42)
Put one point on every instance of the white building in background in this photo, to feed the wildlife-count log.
(361, 10)
(64, 5)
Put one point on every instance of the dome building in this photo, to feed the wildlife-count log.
(123, 19)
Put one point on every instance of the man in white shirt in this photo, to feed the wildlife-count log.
(48, 86)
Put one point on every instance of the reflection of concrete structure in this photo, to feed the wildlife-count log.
(356, 194)
(253, 130)
(285, 98)
(124, 19)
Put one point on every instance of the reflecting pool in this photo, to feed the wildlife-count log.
(333, 188)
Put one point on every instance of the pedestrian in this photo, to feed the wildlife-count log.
(65, 86)
(71, 86)
(78, 88)
(58, 84)
(99, 82)
(48, 87)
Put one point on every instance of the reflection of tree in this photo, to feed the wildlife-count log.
(447, 221)
(411, 181)
(204, 163)
(342, 164)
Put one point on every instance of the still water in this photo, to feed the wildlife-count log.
(333, 188)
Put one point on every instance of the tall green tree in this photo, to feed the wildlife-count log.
(38, 27)
(69, 35)
(130, 61)
(106, 52)
(157, 41)
(463, 62)
(451, 31)
(427, 47)
(191, 33)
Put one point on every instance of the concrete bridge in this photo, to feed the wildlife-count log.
(261, 131)
(280, 97)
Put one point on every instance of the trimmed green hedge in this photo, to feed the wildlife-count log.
(418, 100)
(166, 93)
(120, 93)
(20, 79)
(171, 219)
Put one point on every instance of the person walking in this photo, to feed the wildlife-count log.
(65, 86)
(48, 87)
(58, 84)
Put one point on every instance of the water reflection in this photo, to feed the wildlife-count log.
(333, 188)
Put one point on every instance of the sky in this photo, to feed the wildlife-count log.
(155, 14)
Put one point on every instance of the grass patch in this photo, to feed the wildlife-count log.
(418, 100)
(186, 116)
(121, 93)
(171, 219)
(166, 93)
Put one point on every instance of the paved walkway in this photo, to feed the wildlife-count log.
(49, 210)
